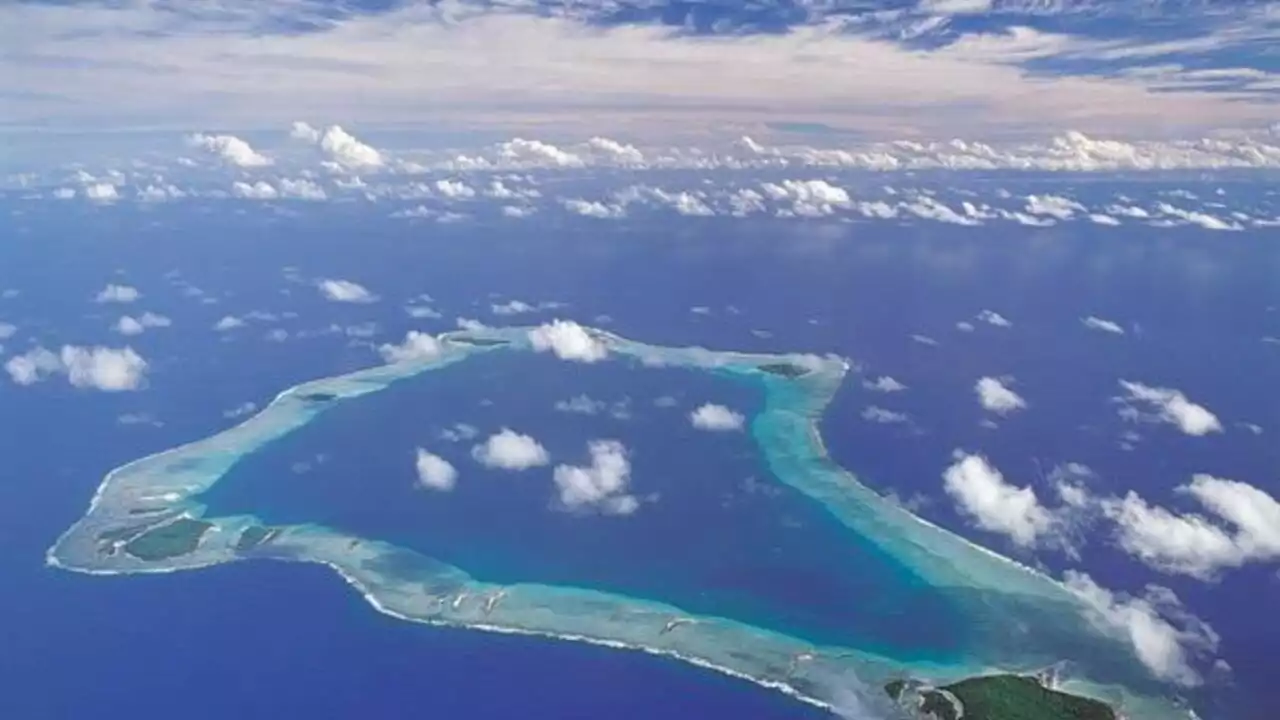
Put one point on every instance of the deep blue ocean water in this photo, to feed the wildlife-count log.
(72, 646)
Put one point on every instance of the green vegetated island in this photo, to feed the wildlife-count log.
(145, 518)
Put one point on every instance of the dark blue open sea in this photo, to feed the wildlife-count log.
(270, 640)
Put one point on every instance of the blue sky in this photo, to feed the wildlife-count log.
(888, 69)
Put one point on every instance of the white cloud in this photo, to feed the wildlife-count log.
(7, 330)
(997, 397)
(433, 65)
(982, 494)
(513, 307)
(99, 368)
(129, 325)
(883, 416)
(602, 486)
(435, 472)
(303, 131)
(1169, 406)
(1054, 206)
(32, 366)
(260, 190)
(1165, 637)
(228, 322)
(594, 209)
(808, 198)
(103, 368)
(231, 149)
(459, 432)
(1101, 325)
(1191, 217)
(302, 189)
(992, 317)
(1247, 528)
(581, 405)
(345, 291)
(884, 384)
(416, 346)
(716, 417)
(240, 410)
(455, 189)
(568, 341)
(118, 294)
(510, 450)
(343, 148)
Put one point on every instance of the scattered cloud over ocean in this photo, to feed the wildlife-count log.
(982, 494)
(1164, 635)
(567, 340)
(995, 395)
(1145, 403)
(510, 450)
(717, 418)
(118, 294)
(601, 486)
(416, 346)
(98, 368)
(1102, 325)
(345, 291)
(434, 472)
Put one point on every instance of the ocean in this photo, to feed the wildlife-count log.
(210, 641)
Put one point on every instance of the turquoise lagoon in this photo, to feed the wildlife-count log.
(852, 586)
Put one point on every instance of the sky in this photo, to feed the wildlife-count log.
(646, 69)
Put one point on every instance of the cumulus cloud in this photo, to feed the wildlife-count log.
(1243, 527)
(716, 418)
(982, 494)
(118, 294)
(260, 190)
(345, 291)
(883, 416)
(99, 368)
(884, 384)
(228, 322)
(1158, 404)
(510, 450)
(1101, 325)
(455, 189)
(601, 486)
(514, 307)
(416, 346)
(129, 325)
(1165, 637)
(568, 341)
(435, 472)
(808, 198)
(230, 149)
(594, 209)
(997, 397)
(992, 317)
(340, 146)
